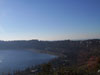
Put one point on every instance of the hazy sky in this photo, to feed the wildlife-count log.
(49, 19)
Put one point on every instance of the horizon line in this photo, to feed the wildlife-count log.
(53, 40)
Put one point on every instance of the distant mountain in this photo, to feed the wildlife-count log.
(73, 49)
(80, 57)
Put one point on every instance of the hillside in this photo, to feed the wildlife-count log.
(82, 54)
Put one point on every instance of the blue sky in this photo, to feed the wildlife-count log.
(49, 19)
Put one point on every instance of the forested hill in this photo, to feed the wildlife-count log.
(48, 45)
(84, 54)
(73, 49)
(60, 47)
(81, 57)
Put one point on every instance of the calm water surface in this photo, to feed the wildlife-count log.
(12, 60)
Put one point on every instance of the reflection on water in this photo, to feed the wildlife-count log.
(12, 60)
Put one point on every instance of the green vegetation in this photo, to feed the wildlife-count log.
(75, 57)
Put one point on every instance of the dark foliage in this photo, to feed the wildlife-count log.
(82, 54)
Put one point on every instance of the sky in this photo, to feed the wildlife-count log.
(49, 19)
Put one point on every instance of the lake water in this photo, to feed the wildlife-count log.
(12, 60)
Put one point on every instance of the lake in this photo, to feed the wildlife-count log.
(12, 60)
